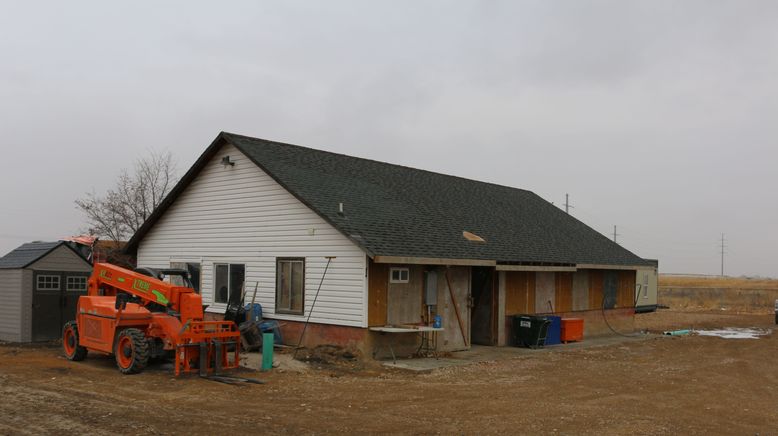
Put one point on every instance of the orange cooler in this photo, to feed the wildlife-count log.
(572, 329)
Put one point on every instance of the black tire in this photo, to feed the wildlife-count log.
(70, 339)
(133, 356)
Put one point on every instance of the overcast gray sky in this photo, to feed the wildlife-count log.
(658, 117)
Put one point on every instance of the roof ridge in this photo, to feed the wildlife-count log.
(228, 134)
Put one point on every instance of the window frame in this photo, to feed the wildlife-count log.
(289, 311)
(58, 278)
(67, 283)
(229, 280)
(400, 270)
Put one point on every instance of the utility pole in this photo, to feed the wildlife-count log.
(722, 255)
(614, 233)
(567, 204)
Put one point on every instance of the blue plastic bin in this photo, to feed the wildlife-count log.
(271, 326)
(554, 334)
(254, 314)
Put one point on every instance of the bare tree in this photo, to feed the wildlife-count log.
(122, 210)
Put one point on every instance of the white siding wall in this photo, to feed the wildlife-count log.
(11, 306)
(239, 214)
(61, 259)
(27, 305)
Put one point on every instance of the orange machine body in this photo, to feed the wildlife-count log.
(170, 317)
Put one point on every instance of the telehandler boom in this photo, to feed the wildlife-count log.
(135, 315)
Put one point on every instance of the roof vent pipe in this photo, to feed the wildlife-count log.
(340, 208)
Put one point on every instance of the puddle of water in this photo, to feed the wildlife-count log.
(734, 333)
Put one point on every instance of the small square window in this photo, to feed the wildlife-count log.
(398, 275)
(76, 283)
(47, 283)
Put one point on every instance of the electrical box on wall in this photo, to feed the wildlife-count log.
(430, 288)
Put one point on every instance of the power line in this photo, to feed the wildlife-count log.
(722, 246)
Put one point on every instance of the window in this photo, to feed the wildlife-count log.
(47, 283)
(290, 285)
(75, 283)
(194, 274)
(228, 281)
(645, 285)
(398, 275)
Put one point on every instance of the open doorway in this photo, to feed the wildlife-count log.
(483, 329)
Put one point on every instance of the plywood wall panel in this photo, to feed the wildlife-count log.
(625, 294)
(404, 300)
(545, 288)
(519, 292)
(581, 290)
(564, 292)
(378, 283)
(596, 278)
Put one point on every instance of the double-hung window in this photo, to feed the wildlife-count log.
(290, 285)
(228, 281)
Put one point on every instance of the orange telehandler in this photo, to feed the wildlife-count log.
(136, 315)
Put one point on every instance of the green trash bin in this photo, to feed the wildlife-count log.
(530, 331)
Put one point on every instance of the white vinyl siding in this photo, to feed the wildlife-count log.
(239, 214)
(11, 309)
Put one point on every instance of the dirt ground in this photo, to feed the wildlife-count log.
(659, 385)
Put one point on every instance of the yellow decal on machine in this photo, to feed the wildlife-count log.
(141, 285)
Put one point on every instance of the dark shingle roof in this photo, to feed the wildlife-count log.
(391, 210)
(27, 253)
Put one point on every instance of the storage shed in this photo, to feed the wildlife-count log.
(40, 283)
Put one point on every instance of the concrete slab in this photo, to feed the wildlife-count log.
(282, 362)
(485, 353)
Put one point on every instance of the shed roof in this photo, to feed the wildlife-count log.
(27, 254)
(397, 211)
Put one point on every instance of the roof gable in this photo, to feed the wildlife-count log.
(392, 210)
(31, 252)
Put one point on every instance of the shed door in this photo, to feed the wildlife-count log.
(47, 305)
(454, 338)
(54, 302)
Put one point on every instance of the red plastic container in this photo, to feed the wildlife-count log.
(572, 329)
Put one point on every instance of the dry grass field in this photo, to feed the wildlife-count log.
(715, 282)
